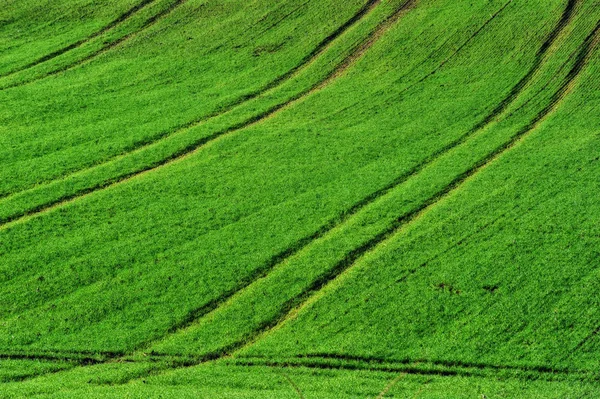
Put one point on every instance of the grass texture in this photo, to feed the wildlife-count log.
(226, 198)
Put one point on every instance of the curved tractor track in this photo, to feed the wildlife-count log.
(149, 23)
(123, 17)
(304, 63)
(293, 306)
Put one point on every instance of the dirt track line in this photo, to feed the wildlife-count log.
(445, 363)
(412, 368)
(293, 384)
(539, 57)
(331, 361)
(81, 42)
(149, 23)
(276, 22)
(80, 358)
(305, 62)
(464, 44)
(291, 307)
(584, 341)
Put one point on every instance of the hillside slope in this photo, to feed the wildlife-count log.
(223, 198)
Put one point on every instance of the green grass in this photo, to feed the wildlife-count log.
(35, 30)
(239, 199)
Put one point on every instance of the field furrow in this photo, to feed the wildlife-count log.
(79, 43)
(14, 79)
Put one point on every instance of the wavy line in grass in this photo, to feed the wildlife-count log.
(296, 304)
(369, 363)
(123, 17)
(390, 385)
(324, 360)
(149, 23)
(188, 149)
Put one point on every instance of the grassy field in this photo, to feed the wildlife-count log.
(226, 198)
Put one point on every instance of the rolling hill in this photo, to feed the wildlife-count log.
(300, 198)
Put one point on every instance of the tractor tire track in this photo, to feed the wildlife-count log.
(123, 17)
(293, 385)
(390, 385)
(79, 358)
(537, 369)
(325, 361)
(275, 23)
(294, 305)
(148, 24)
(464, 44)
(191, 148)
(411, 366)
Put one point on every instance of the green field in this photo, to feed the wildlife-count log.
(300, 199)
